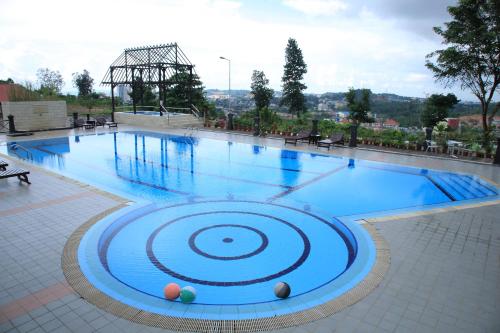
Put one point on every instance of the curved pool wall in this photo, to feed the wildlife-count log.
(113, 257)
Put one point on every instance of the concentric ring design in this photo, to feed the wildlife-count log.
(264, 244)
(192, 242)
(232, 252)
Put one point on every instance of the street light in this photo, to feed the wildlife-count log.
(229, 103)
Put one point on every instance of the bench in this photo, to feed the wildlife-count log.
(89, 124)
(21, 174)
(3, 165)
(111, 124)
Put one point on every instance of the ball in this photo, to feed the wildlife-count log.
(171, 291)
(282, 290)
(188, 294)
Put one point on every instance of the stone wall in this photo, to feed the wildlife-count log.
(36, 115)
(178, 120)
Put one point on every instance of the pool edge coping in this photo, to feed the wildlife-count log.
(79, 283)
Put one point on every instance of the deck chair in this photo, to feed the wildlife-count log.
(335, 138)
(21, 174)
(79, 123)
(302, 135)
(100, 121)
(432, 146)
(3, 165)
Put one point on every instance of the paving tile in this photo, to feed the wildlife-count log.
(444, 272)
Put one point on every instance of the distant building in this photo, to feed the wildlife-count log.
(4, 92)
(323, 107)
(123, 90)
(390, 123)
(476, 120)
(453, 123)
(340, 116)
(8, 89)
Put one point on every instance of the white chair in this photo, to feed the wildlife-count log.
(431, 146)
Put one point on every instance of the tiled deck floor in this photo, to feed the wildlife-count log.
(444, 274)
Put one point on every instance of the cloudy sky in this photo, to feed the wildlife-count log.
(376, 44)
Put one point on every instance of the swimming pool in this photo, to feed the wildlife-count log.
(232, 219)
(156, 167)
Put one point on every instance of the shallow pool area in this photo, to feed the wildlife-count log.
(232, 252)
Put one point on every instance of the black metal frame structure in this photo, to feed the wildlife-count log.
(155, 65)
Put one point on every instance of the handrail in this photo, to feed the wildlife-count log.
(15, 146)
(166, 111)
(195, 111)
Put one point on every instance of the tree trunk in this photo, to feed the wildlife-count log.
(486, 127)
(354, 136)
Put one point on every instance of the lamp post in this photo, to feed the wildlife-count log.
(229, 97)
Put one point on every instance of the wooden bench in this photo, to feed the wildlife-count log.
(111, 124)
(3, 165)
(21, 174)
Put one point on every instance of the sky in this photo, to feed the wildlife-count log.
(376, 44)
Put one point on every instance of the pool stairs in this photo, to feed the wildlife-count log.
(462, 187)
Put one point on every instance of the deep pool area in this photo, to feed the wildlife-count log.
(157, 167)
(233, 219)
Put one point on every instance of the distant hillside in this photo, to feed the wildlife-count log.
(406, 110)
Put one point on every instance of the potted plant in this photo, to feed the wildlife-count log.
(476, 149)
(439, 132)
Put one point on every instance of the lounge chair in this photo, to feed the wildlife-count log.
(302, 135)
(3, 165)
(79, 123)
(100, 121)
(111, 124)
(89, 125)
(335, 138)
(21, 174)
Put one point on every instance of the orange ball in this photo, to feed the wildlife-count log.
(172, 291)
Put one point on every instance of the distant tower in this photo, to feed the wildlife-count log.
(123, 90)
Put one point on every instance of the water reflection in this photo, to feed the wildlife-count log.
(290, 161)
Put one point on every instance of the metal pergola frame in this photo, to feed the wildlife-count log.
(155, 65)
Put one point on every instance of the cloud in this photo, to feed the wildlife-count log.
(358, 48)
(416, 77)
(317, 7)
(416, 16)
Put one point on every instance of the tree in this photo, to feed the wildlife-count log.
(137, 91)
(358, 102)
(8, 81)
(436, 109)
(262, 94)
(84, 82)
(51, 82)
(185, 88)
(472, 57)
(294, 71)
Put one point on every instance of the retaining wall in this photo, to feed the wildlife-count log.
(179, 120)
(36, 115)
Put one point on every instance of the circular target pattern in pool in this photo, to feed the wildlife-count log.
(232, 252)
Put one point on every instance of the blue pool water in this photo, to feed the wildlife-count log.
(233, 219)
(155, 167)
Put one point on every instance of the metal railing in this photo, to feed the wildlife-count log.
(16, 146)
(4, 126)
(195, 111)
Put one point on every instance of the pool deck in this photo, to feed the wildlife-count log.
(444, 274)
